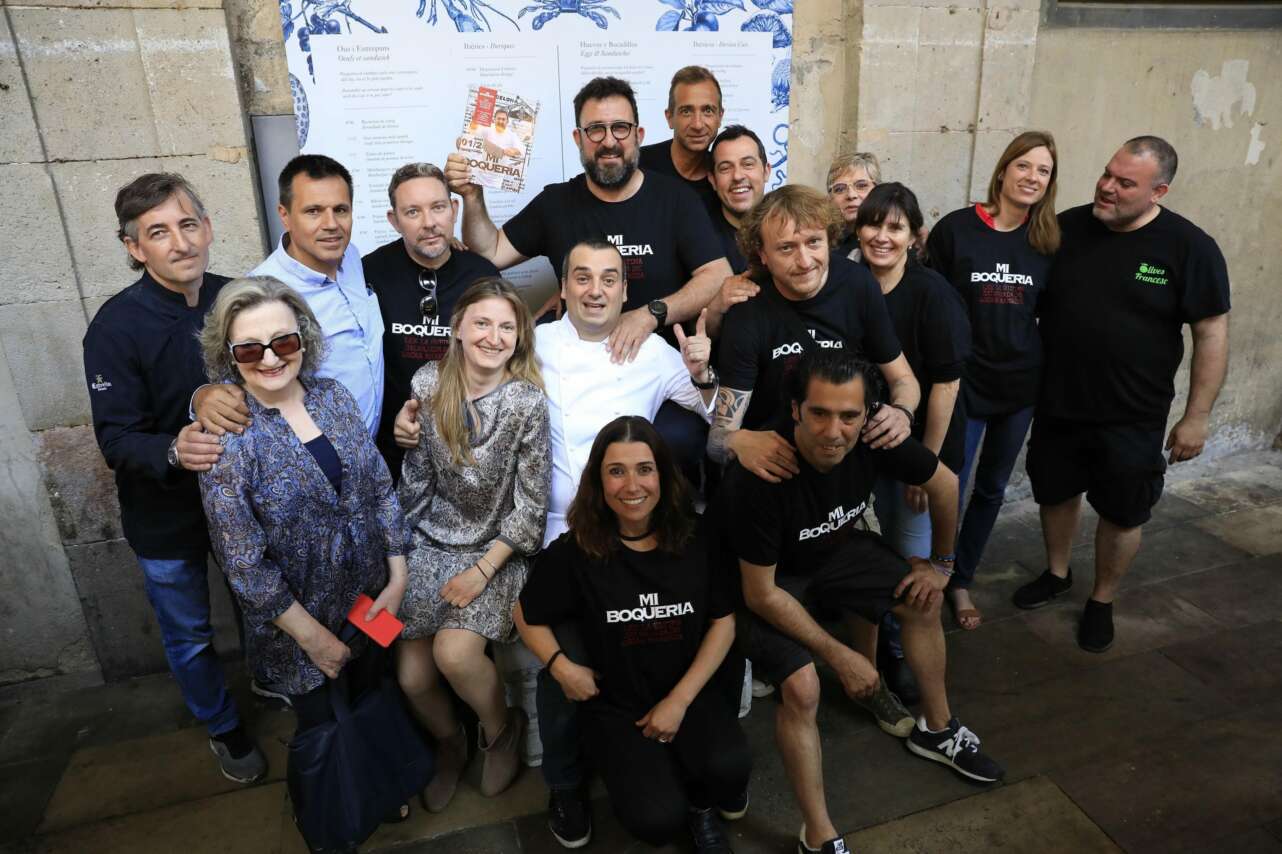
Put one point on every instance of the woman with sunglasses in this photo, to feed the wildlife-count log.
(302, 514)
(997, 255)
(660, 700)
(475, 493)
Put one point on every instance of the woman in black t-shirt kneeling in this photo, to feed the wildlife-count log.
(660, 697)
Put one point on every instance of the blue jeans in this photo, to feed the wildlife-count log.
(1003, 436)
(179, 593)
(559, 730)
(907, 532)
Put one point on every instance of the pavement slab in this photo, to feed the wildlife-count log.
(1244, 664)
(1258, 530)
(1240, 594)
(1034, 815)
(1190, 789)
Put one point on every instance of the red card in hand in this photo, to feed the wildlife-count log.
(383, 628)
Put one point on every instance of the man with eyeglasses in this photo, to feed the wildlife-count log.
(315, 257)
(694, 113)
(417, 277)
(674, 262)
(142, 362)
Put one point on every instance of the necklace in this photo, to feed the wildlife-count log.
(623, 536)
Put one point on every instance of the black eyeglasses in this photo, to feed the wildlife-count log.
(282, 345)
(427, 306)
(618, 130)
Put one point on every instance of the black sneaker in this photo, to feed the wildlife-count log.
(1042, 590)
(1095, 631)
(832, 846)
(568, 818)
(709, 838)
(736, 809)
(956, 747)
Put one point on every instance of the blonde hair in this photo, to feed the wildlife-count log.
(1043, 226)
(859, 160)
(249, 292)
(450, 404)
(803, 206)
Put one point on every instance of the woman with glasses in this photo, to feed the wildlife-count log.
(302, 514)
(997, 254)
(659, 702)
(475, 493)
(850, 179)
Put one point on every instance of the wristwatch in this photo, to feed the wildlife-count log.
(711, 383)
(172, 454)
(659, 311)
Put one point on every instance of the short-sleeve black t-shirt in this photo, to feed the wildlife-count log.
(1113, 312)
(663, 231)
(643, 614)
(729, 235)
(930, 323)
(408, 341)
(657, 157)
(803, 525)
(763, 339)
(1000, 278)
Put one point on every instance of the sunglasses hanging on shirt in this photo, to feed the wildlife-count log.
(427, 306)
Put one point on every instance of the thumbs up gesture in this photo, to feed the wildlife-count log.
(696, 349)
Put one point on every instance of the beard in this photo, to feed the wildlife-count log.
(610, 177)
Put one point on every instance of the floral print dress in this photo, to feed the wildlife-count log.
(455, 513)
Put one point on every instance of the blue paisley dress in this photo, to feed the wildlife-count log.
(283, 535)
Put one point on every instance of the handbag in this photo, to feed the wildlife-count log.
(346, 775)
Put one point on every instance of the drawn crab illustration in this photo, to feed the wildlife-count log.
(468, 15)
(550, 9)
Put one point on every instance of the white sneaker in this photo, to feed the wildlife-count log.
(761, 689)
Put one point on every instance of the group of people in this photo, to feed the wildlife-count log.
(669, 477)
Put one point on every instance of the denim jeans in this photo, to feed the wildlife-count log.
(686, 435)
(559, 728)
(907, 532)
(1003, 436)
(179, 593)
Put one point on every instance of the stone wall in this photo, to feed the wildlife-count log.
(92, 94)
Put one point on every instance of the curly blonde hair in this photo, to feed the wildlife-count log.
(245, 293)
(803, 206)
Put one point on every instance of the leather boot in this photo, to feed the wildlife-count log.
(502, 754)
(450, 759)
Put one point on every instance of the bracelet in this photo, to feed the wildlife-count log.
(905, 410)
(493, 569)
(948, 558)
(478, 569)
(548, 666)
(945, 571)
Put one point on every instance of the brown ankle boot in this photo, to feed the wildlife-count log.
(502, 754)
(450, 759)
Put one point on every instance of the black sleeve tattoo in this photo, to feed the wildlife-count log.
(726, 418)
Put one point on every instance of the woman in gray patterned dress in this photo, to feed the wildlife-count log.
(475, 495)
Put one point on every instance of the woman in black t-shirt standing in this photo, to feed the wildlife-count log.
(997, 255)
(637, 572)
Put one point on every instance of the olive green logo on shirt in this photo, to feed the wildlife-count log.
(1151, 273)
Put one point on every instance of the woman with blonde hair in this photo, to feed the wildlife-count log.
(997, 255)
(850, 179)
(475, 493)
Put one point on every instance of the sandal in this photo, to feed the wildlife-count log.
(968, 619)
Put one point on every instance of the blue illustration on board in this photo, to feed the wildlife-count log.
(319, 18)
(301, 112)
(779, 156)
(468, 15)
(550, 9)
(697, 15)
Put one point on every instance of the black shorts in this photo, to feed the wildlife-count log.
(1120, 467)
(863, 582)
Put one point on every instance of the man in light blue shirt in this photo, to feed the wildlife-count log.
(315, 257)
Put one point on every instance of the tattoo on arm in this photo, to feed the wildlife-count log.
(727, 418)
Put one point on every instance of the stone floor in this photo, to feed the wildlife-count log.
(1170, 742)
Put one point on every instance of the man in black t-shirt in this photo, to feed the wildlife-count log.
(739, 169)
(808, 300)
(800, 551)
(694, 113)
(674, 265)
(1129, 274)
(417, 278)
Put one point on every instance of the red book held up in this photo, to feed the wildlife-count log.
(384, 628)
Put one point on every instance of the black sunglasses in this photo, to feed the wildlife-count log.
(427, 306)
(618, 130)
(282, 345)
